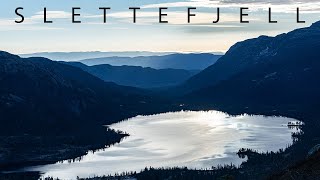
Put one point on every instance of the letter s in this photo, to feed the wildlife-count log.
(20, 15)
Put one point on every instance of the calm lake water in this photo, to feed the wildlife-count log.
(185, 139)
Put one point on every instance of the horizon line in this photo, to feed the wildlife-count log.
(182, 52)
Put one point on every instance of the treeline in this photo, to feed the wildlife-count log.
(223, 172)
(15, 149)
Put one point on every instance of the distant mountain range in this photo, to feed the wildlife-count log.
(136, 76)
(77, 56)
(281, 71)
(173, 61)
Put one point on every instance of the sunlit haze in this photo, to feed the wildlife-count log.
(119, 33)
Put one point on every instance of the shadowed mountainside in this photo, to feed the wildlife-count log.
(266, 71)
(284, 51)
(56, 111)
(42, 91)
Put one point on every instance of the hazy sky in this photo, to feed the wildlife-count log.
(120, 34)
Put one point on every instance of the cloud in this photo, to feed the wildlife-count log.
(282, 6)
(178, 18)
(10, 25)
(177, 15)
(34, 22)
(275, 2)
(228, 28)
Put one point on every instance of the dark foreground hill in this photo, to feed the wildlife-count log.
(136, 76)
(48, 106)
(294, 52)
(37, 91)
(307, 169)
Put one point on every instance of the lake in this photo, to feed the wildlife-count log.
(186, 139)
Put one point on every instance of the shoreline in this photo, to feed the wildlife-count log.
(72, 153)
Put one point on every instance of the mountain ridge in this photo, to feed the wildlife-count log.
(174, 61)
(246, 54)
(136, 76)
(67, 92)
(80, 55)
(269, 72)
